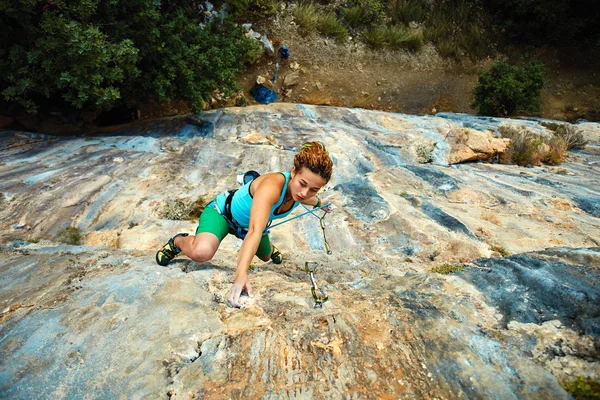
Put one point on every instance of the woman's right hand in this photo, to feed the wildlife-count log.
(239, 285)
(330, 207)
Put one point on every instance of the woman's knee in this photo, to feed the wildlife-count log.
(204, 247)
(201, 254)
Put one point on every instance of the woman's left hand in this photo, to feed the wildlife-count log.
(241, 284)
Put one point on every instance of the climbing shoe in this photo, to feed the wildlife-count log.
(276, 256)
(169, 251)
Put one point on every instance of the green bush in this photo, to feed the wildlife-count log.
(507, 89)
(88, 54)
(329, 25)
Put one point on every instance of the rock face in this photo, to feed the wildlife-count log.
(102, 320)
(471, 145)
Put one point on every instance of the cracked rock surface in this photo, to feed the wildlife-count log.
(102, 320)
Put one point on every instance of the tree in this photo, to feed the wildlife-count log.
(507, 89)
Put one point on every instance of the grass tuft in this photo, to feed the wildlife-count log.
(447, 268)
(583, 388)
(406, 11)
(355, 16)
(557, 151)
(526, 148)
(307, 17)
(328, 24)
(496, 248)
(395, 37)
(572, 136)
(69, 235)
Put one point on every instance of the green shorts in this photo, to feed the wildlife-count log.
(213, 222)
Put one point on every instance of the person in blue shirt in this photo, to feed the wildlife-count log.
(248, 211)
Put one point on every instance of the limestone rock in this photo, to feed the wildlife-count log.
(103, 320)
(468, 144)
(291, 78)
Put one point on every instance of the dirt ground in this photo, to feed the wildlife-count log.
(353, 75)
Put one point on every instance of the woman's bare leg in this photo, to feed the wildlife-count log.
(201, 247)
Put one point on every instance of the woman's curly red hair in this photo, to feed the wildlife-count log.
(314, 157)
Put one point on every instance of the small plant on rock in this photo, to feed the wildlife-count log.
(447, 268)
(69, 235)
(583, 388)
(496, 248)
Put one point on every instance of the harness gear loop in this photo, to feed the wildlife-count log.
(311, 268)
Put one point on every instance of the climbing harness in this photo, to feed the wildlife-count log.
(241, 232)
(311, 268)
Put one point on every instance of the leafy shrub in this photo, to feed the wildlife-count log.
(405, 11)
(88, 54)
(306, 17)
(69, 235)
(329, 25)
(507, 89)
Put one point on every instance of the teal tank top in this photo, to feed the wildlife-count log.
(242, 202)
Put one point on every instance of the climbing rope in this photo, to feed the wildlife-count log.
(321, 222)
(311, 268)
(301, 215)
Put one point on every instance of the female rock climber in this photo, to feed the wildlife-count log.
(248, 211)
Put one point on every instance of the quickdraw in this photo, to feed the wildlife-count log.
(311, 268)
(322, 223)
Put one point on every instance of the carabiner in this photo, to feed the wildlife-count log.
(311, 268)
